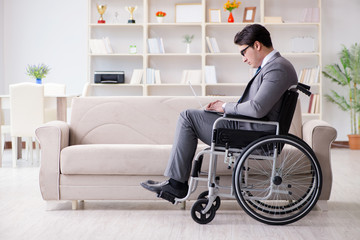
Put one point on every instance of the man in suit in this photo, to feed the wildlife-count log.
(261, 98)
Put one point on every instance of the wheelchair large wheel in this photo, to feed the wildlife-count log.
(277, 179)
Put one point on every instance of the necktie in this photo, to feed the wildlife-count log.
(249, 84)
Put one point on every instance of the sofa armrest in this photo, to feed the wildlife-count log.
(53, 137)
(319, 135)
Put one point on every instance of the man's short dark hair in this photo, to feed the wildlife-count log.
(252, 33)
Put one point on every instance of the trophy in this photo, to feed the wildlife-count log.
(101, 9)
(131, 10)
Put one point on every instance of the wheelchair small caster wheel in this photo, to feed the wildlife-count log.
(198, 216)
(216, 203)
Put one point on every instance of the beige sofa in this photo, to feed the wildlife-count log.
(113, 143)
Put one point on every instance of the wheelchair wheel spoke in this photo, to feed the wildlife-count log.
(282, 185)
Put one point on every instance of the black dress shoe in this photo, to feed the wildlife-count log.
(165, 188)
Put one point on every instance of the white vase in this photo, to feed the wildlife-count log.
(160, 19)
(188, 48)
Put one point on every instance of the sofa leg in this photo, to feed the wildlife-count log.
(75, 205)
(323, 205)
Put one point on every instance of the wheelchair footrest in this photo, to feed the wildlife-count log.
(167, 196)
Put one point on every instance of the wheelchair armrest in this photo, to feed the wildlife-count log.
(245, 117)
(242, 118)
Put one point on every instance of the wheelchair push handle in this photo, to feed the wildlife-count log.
(303, 88)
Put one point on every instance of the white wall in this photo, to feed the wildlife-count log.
(46, 31)
(55, 33)
(2, 84)
(340, 26)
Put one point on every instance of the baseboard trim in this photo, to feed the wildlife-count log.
(340, 144)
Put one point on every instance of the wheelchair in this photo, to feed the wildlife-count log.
(276, 177)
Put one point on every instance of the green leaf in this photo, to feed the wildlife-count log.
(336, 74)
(338, 100)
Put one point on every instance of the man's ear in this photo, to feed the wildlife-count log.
(257, 45)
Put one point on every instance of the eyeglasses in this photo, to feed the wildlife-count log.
(242, 52)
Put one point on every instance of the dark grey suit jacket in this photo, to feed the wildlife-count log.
(264, 96)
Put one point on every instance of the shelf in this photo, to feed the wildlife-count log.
(226, 24)
(302, 54)
(293, 24)
(174, 54)
(289, 54)
(227, 85)
(115, 25)
(231, 73)
(174, 24)
(223, 54)
(116, 55)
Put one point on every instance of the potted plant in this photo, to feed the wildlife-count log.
(160, 16)
(188, 39)
(347, 75)
(38, 72)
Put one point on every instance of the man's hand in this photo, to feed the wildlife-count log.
(215, 106)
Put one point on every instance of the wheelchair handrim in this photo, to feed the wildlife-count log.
(312, 198)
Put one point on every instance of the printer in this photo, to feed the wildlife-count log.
(109, 77)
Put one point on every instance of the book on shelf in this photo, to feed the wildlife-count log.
(317, 104)
(153, 76)
(156, 45)
(157, 77)
(192, 76)
(314, 103)
(161, 44)
(107, 43)
(208, 43)
(210, 74)
(136, 76)
(100, 46)
(311, 15)
(309, 75)
(150, 76)
(212, 44)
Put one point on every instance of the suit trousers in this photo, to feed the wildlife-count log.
(192, 125)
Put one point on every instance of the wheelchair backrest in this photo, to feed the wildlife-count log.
(287, 110)
(241, 138)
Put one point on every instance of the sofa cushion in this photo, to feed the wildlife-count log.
(122, 159)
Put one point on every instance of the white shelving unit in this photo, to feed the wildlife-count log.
(232, 75)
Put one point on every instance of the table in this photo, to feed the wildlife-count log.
(62, 103)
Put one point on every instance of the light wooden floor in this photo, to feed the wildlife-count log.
(24, 215)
